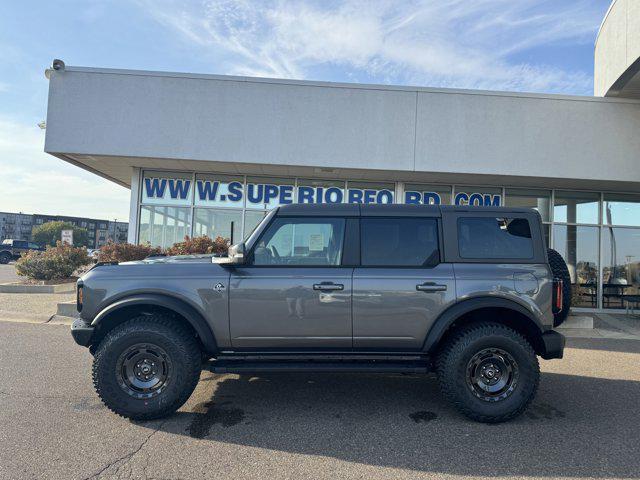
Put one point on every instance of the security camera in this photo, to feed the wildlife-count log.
(58, 64)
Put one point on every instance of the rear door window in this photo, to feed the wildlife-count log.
(494, 238)
(402, 242)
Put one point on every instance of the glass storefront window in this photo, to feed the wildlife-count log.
(221, 191)
(478, 196)
(266, 193)
(427, 194)
(620, 265)
(164, 226)
(576, 207)
(214, 222)
(320, 191)
(621, 209)
(367, 192)
(251, 221)
(539, 200)
(579, 246)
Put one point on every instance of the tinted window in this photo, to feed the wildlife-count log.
(301, 242)
(405, 242)
(19, 244)
(488, 237)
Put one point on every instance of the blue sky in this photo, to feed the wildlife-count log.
(517, 45)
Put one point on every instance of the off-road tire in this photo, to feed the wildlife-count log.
(5, 258)
(452, 365)
(179, 344)
(560, 270)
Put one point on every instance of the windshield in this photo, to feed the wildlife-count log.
(6, 242)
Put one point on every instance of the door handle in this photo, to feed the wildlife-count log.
(328, 286)
(431, 287)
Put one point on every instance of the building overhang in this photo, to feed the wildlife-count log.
(110, 121)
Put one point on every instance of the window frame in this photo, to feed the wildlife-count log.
(452, 250)
(402, 217)
(318, 218)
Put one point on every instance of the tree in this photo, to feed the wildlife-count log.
(49, 233)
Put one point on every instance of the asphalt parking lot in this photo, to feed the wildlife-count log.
(585, 422)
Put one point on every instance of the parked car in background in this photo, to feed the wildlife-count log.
(12, 249)
(93, 253)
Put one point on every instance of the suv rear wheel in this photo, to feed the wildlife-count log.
(147, 367)
(489, 372)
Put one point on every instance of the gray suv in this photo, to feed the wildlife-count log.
(469, 293)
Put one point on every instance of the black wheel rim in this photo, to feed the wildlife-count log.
(143, 370)
(492, 374)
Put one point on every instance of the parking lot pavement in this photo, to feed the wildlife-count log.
(585, 422)
(8, 273)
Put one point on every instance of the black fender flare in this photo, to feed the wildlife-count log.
(449, 316)
(192, 316)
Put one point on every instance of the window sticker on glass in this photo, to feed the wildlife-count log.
(316, 242)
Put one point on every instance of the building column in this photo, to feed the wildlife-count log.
(132, 233)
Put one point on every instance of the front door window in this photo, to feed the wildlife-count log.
(301, 242)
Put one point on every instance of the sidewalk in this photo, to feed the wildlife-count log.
(33, 307)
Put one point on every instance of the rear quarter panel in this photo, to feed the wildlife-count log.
(528, 284)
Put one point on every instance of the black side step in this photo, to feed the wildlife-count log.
(222, 366)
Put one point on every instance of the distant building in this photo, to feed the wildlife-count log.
(15, 225)
(20, 225)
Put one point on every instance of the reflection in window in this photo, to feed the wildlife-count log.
(304, 241)
(489, 237)
(576, 207)
(578, 245)
(407, 242)
(164, 226)
(539, 200)
(621, 209)
(620, 265)
(217, 223)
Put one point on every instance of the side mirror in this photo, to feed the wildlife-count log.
(236, 254)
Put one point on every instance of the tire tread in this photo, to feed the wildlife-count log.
(455, 346)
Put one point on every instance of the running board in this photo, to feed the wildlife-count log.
(218, 366)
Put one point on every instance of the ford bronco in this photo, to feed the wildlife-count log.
(469, 293)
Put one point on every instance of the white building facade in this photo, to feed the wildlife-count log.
(210, 154)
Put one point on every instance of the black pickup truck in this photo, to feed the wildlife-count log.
(12, 249)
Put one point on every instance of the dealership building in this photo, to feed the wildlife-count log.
(210, 154)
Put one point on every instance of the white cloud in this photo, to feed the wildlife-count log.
(451, 43)
(35, 182)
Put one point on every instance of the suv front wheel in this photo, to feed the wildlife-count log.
(147, 367)
(488, 371)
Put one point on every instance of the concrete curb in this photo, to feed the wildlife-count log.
(67, 309)
(577, 321)
(19, 288)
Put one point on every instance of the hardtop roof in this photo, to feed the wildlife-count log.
(376, 210)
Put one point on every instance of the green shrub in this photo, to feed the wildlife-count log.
(126, 252)
(57, 262)
(199, 245)
(50, 233)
